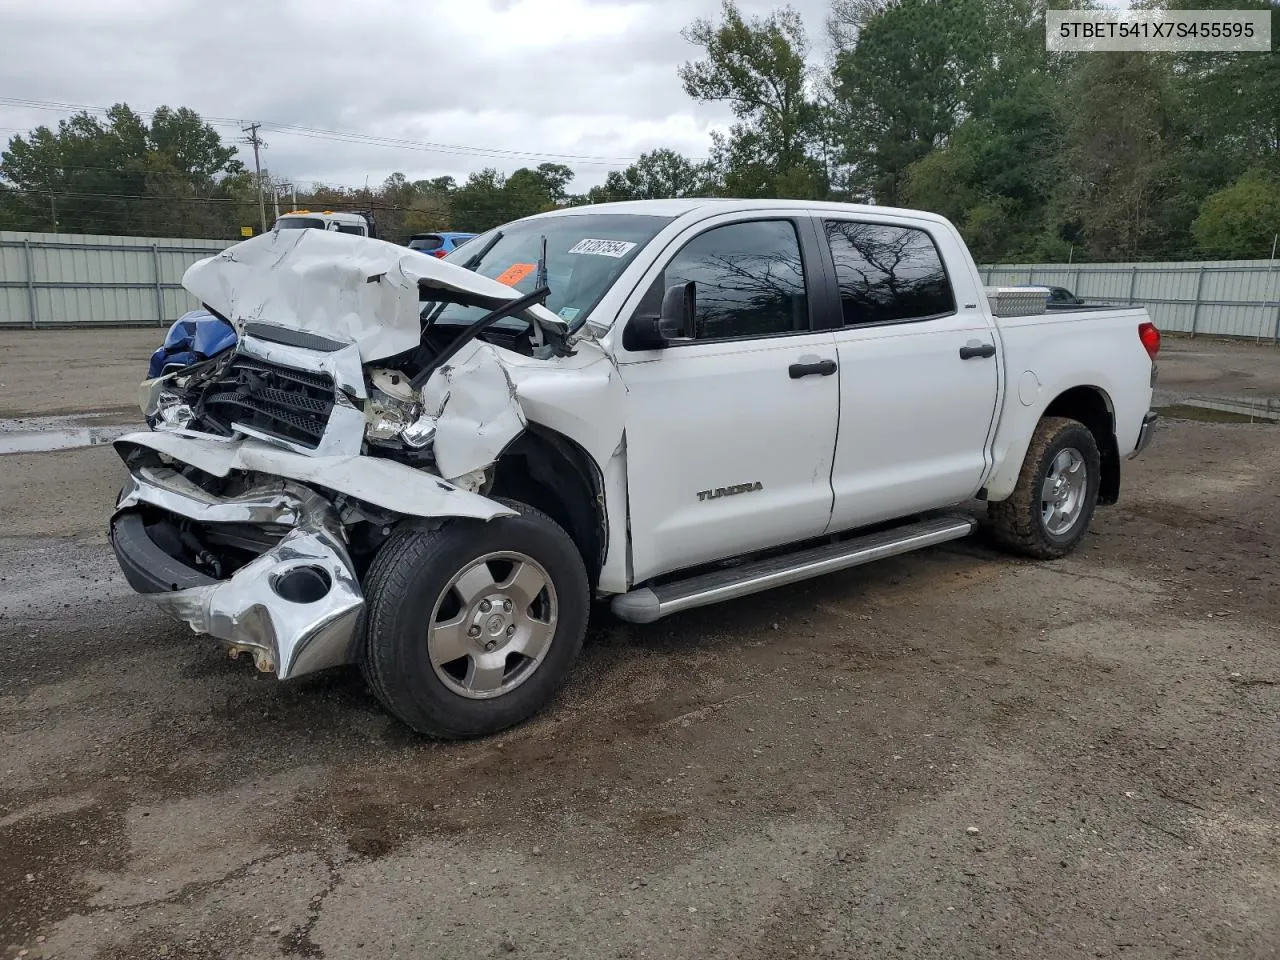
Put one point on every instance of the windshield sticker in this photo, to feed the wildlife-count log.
(569, 314)
(515, 273)
(603, 248)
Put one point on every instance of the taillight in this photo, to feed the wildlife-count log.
(439, 253)
(1150, 338)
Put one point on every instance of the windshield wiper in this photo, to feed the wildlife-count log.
(470, 333)
(540, 279)
(474, 261)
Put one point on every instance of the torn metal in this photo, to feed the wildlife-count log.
(381, 482)
(352, 289)
(295, 608)
(473, 406)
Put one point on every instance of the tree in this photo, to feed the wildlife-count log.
(909, 71)
(758, 67)
(1119, 161)
(995, 176)
(118, 174)
(1241, 221)
(488, 198)
(657, 175)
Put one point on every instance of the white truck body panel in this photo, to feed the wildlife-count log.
(1048, 354)
(905, 426)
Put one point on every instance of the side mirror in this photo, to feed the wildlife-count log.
(653, 329)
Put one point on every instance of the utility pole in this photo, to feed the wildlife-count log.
(53, 211)
(253, 138)
(280, 186)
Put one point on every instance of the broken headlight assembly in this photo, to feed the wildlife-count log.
(394, 413)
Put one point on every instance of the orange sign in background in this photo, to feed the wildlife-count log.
(515, 273)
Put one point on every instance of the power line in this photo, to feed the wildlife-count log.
(88, 195)
(341, 136)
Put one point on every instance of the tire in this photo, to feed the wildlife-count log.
(1019, 524)
(411, 584)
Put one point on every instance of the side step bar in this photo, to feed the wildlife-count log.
(648, 604)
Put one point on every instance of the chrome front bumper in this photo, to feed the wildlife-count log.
(295, 608)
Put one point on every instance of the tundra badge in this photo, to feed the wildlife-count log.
(719, 492)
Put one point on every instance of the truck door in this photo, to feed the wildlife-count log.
(919, 370)
(730, 435)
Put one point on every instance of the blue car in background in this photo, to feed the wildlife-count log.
(438, 244)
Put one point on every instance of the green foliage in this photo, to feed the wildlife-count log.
(119, 174)
(758, 66)
(657, 175)
(1241, 221)
(488, 198)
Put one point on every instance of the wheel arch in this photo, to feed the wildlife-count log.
(1092, 406)
(550, 472)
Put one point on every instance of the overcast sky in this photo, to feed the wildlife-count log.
(585, 78)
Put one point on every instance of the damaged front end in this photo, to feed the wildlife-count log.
(293, 606)
(277, 469)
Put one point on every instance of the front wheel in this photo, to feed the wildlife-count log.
(472, 628)
(1050, 508)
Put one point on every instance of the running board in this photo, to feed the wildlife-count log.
(648, 604)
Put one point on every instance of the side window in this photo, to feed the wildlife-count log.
(749, 277)
(888, 274)
(351, 228)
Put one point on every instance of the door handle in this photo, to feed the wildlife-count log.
(974, 349)
(822, 368)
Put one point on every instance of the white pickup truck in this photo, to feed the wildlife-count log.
(431, 468)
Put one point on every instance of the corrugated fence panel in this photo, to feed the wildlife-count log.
(49, 280)
(1235, 298)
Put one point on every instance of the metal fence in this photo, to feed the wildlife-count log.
(53, 280)
(56, 280)
(1236, 298)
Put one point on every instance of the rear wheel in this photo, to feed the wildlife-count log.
(471, 628)
(1050, 508)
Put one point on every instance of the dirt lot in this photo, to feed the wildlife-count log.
(952, 754)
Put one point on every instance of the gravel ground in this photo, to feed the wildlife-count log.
(947, 754)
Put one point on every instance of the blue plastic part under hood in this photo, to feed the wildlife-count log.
(194, 337)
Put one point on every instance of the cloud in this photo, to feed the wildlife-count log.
(580, 78)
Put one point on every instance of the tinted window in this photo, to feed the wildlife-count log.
(299, 223)
(888, 273)
(350, 228)
(426, 243)
(749, 277)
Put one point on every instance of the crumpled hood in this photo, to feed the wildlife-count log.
(342, 286)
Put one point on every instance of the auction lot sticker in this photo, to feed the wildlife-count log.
(1151, 31)
(603, 248)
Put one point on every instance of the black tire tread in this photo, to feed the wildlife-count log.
(391, 570)
(1013, 523)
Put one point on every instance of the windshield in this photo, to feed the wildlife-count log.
(585, 255)
(299, 223)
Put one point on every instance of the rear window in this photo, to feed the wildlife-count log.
(299, 223)
(888, 274)
(426, 243)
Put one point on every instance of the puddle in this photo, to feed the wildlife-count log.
(1224, 410)
(46, 434)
